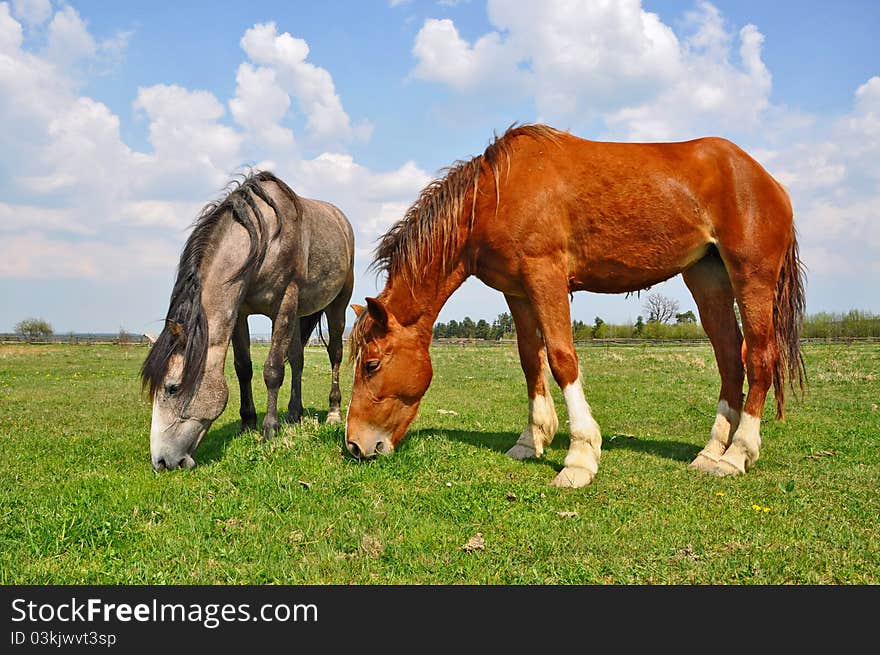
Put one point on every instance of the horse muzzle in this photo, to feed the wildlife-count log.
(368, 442)
(161, 464)
(174, 446)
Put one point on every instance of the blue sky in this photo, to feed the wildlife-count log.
(120, 120)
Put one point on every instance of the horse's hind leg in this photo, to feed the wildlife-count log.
(295, 356)
(244, 371)
(335, 313)
(543, 421)
(710, 285)
(755, 293)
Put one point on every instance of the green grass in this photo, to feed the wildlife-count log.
(79, 502)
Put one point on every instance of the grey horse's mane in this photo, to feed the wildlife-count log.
(186, 326)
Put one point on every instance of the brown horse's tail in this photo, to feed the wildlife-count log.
(789, 306)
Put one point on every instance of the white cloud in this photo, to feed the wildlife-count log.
(20, 218)
(10, 32)
(259, 106)
(443, 56)
(69, 41)
(35, 256)
(192, 150)
(32, 12)
(174, 215)
(613, 61)
(311, 86)
(78, 202)
(369, 199)
(572, 57)
(832, 177)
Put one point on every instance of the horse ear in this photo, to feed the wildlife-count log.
(377, 312)
(176, 330)
(357, 309)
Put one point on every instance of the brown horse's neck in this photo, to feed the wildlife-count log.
(417, 304)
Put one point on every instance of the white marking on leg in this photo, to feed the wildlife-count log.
(744, 448)
(726, 422)
(540, 430)
(749, 435)
(586, 440)
(582, 459)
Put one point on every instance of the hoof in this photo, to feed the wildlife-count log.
(573, 477)
(248, 425)
(269, 430)
(521, 452)
(704, 463)
(334, 418)
(293, 417)
(724, 468)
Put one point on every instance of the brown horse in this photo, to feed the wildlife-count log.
(542, 213)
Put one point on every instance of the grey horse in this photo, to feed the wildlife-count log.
(262, 249)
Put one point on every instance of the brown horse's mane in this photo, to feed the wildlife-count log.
(185, 309)
(430, 228)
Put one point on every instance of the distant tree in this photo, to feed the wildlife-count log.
(660, 309)
(686, 317)
(639, 327)
(123, 337)
(580, 331)
(502, 326)
(440, 330)
(468, 328)
(33, 328)
(453, 329)
(483, 329)
(600, 331)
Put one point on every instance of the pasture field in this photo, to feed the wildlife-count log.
(79, 503)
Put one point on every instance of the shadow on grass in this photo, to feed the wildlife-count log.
(217, 440)
(501, 442)
(680, 451)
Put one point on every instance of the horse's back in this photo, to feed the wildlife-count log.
(623, 216)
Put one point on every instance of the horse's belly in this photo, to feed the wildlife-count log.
(627, 259)
(322, 286)
(617, 277)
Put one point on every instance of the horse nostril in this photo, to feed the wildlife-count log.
(181, 463)
(353, 449)
(160, 465)
(380, 446)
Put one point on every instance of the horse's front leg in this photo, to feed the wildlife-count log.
(543, 422)
(244, 371)
(284, 325)
(295, 356)
(547, 289)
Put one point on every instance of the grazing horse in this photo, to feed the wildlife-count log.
(262, 249)
(541, 214)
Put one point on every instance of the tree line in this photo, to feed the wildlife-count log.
(661, 320)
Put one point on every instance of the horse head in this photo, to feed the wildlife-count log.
(184, 406)
(392, 371)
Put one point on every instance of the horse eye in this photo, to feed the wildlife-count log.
(171, 389)
(372, 365)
